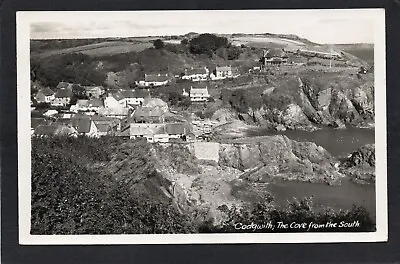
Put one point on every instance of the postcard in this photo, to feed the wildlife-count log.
(201, 126)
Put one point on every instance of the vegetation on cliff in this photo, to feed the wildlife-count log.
(72, 193)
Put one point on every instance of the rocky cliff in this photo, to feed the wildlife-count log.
(360, 165)
(311, 99)
(278, 157)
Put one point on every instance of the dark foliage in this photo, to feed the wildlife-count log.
(299, 211)
(175, 97)
(70, 197)
(74, 68)
(158, 44)
(277, 101)
(207, 44)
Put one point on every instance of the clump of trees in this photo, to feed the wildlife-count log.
(74, 68)
(158, 44)
(210, 44)
(240, 99)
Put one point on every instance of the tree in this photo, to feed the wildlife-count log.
(207, 44)
(185, 103)
(184, 41)
(233, 52)
(174, 97)
(158, 44)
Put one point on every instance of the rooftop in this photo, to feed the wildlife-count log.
(140, 130)
(144, 112)
(223, 68)
(156, 77)
(64, 93)
(64, 85)
(193, 71)
(176, 129)
(154, 102)
(81, 123)
(46, 91)
(95, 102)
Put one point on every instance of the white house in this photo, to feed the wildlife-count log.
(199, 94)
(135, 97)
(115, 100)
(154, 80)
(222, 73)
(152, 132)
(196, 74)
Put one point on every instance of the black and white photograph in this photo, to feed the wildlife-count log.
(240, 126)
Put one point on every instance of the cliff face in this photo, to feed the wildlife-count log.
(317, 98)
(279, 157)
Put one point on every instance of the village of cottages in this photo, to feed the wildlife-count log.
(127, 113)
(135, 113)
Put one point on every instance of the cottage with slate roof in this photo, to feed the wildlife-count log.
(87, 126)
(151, 80)
(196, 74)
(222, 73)
(199, 94)
(274, 56)
(176, 130)
(45, 95)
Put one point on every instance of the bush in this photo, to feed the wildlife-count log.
(277, 101)
(158, 44)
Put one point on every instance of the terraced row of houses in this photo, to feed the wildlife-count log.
(194, 74)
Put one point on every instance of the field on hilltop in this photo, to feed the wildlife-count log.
(99, 49)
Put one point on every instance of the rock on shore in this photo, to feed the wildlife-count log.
(360, 165)
(279, 157)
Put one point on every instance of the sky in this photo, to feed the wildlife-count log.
(321, 26)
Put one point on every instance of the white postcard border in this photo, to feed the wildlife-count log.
(25, 18)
